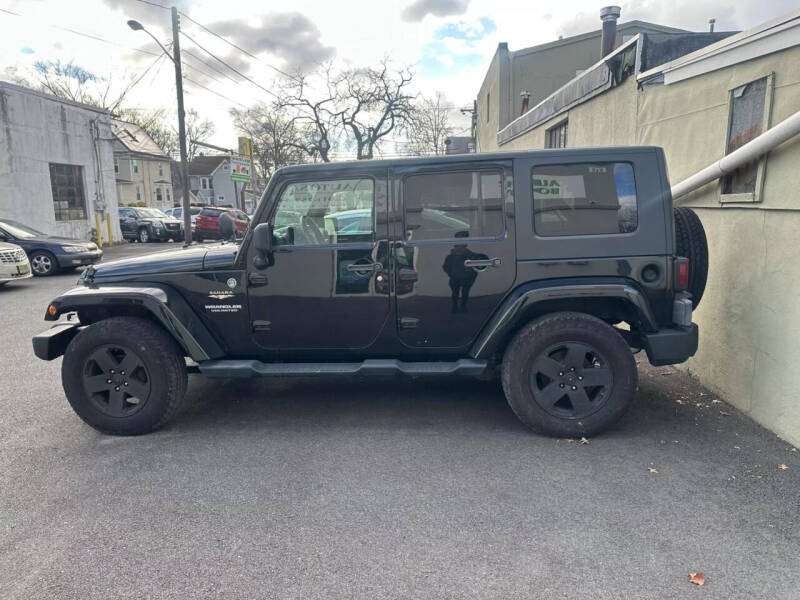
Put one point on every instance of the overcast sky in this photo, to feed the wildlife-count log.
(449, 43)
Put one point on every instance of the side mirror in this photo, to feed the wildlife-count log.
(262, 237)
(262, 240)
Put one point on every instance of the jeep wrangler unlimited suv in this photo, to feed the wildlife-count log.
(547, 266)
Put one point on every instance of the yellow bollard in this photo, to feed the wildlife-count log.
(98, 230)
(108, 226)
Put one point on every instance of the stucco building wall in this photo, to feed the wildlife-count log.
(749, 317)
(37, 129)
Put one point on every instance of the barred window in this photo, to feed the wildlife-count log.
(69, 199)
(556, 137)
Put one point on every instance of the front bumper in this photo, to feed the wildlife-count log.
(167, 234)
(15, 271)
(79, 259)
(672, 345)
(53, 343)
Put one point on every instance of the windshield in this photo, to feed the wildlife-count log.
(150, 212)
(20, 231)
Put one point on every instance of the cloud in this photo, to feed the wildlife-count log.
(466, 31)
(419, 9)
(293, 37)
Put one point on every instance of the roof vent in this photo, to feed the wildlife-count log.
(608, 39)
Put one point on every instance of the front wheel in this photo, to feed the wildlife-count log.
(124, 376)
(43, 263)
(144, 235)
(568, 375)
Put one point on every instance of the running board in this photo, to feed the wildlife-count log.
(255, 368)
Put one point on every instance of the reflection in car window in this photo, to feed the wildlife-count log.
(20, 231)
(150, 212)
(584, 199)
(316, 213)
(444, 206)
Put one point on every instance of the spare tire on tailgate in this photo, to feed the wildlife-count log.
(690, 241)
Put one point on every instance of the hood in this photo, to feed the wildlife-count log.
(7, 246)
(193, 258)
(54, 239)
(166, 219)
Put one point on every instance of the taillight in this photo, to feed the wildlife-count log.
(681, 273)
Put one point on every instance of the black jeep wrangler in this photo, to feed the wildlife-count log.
(548, 267)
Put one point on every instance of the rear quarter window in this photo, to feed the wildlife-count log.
(584, 199)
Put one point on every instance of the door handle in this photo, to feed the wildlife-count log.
(489, 262)
(365, 267)
(257, 279)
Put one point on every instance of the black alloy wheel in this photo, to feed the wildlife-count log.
(116, 380)
(571, 380)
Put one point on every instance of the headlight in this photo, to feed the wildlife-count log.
(158, 224)
(91, 247)
(73, 249)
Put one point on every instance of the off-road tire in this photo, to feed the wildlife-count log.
(690, 241)
(160, 355)
(535, 339)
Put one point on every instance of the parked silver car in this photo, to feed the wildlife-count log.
(14, 263)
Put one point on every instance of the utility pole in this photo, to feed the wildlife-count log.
(176, 49)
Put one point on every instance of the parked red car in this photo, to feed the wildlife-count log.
(207, 222)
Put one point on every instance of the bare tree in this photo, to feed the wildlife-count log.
(355, 108)
(317, 111)
(376, 103)
(197, 130)
(73, 82)
(429, 126)
(279, 139)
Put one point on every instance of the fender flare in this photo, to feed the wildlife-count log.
(510, 311)
(166, 305)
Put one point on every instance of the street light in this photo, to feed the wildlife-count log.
(176, 60)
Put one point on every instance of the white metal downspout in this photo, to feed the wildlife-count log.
(749, 152)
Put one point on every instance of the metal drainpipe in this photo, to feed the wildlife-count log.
(749, 152)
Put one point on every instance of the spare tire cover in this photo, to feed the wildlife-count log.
(690, 241)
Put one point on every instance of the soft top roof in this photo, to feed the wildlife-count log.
(458, 158)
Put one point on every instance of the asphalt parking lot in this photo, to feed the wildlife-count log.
(384, 488)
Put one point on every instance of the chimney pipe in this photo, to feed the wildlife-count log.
(608, 39)
(526, 96)
(711, 25)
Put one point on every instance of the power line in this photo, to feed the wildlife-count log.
(200, 60)
(81, 33)
(224, 39)
(234, 69)
(239, 48)
(200, 85)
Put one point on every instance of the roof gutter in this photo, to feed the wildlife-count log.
(749, 152)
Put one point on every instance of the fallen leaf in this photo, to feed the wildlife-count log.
(725, 413)
(679, 401)
(652, 470)
(792, 449)
(570, 440)
(782, 467)
(696, 578)
(715, 401)
(584, 440)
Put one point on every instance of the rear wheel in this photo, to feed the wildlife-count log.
(43, 263)
(124, 376)
(569, 374)
(690, 241)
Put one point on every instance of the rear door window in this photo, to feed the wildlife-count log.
(458, 204)
(584, 199)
